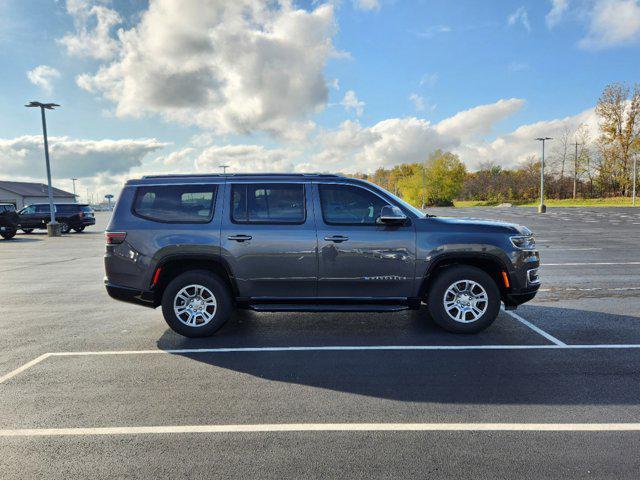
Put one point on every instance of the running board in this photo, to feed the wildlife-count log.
(288, 307)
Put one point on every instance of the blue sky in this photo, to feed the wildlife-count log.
(348, 85)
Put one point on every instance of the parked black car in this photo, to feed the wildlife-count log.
(203, 245)
(70, 216)
(8, 220)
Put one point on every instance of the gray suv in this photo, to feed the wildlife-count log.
(202, 245)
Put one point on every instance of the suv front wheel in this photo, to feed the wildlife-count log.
(196, 304)
(464, 299)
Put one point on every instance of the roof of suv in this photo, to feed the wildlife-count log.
(189, 178)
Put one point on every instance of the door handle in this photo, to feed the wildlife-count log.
(336, 238)
(240, 238)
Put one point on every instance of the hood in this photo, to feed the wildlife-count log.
(478, 225)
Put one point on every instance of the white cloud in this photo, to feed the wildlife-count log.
(511, 149)
(429, 80)
(433, 30)
(613, 23)
(520, 16)
(418, 101)
(24, 156)
(558, 9)
(248, 158)
(351, 102)
(230, 67)
(478, 120)
(93, 23)
(43, 76)
(335, 84)
(367, 4)
(353, 147)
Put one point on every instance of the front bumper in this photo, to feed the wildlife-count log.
(130, 295)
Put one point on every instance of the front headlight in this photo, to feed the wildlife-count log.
(525, 242)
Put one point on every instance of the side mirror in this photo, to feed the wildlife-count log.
(390, 215)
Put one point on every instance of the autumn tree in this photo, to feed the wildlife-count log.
(619, 113)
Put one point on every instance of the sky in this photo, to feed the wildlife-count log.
(183, 86)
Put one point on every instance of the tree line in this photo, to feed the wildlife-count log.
(577, 166)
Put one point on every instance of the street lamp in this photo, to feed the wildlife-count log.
(74, 188)
(542, 207)
(224, 168)
(52, 229)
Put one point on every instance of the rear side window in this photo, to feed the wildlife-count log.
(86, 209)
(175, 203)
(268, 203)
(67, 208)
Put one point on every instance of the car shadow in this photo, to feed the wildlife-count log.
(22, 239)
(507, 376)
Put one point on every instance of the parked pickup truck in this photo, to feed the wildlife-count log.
(8, 220)
(201, 245)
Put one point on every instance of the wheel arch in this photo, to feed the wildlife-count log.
(492, 265)
(172, 266)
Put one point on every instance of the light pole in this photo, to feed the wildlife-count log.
(224, 168)
(109, 197)
(52, 228)
(542, 207)
(74, 188)
(635, 177)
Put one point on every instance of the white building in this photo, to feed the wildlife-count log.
(22, 194)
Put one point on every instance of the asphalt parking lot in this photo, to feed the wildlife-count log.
(90, 387)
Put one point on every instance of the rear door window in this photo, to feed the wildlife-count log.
(276, 203)
(175, 203)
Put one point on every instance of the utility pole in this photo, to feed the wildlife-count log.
(224, 168)
(635, 177)
(542, 207)
(424, 187)
(74, 188)
(53, 230)
(575, 170)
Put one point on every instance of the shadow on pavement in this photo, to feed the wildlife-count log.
(467, 376)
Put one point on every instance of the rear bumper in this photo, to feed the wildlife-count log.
(130, 295)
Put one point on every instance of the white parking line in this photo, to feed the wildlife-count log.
(557, 345)
(587, 263)
(328, 427)
(24, 367)
(538, 330)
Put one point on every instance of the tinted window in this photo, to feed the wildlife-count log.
(268, 203)
(7, 208)
(175, 203)
(86, 209)
(348, 205)
(28, 210)
(67, 208)
(43, 209)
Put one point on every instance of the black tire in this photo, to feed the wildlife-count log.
(215, 285)
(8, 235)
(27, 230)
(449, 277)
(79, 229)
(64, 227)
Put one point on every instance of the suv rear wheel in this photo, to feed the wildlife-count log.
(196, 304)
(8, 235)
(464, 299)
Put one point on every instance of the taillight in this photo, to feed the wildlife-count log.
(81, 214)
(114, 238)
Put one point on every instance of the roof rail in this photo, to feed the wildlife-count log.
(200, 175)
